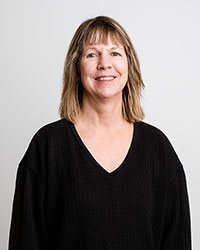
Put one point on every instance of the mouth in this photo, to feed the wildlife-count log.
(105, 78)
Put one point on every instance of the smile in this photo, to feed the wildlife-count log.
(107, 78)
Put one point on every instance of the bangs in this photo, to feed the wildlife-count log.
(100, 33)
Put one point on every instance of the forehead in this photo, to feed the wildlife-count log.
(106, 37)
(110, 45)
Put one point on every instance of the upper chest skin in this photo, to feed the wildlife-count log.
(107, 149)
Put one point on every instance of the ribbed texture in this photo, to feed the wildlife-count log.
(65, 200)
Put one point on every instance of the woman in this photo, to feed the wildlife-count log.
(100, 177)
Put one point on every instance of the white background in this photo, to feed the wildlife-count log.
(34, 40)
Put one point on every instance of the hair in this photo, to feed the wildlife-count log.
(95, 31)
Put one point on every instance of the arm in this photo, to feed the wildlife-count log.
(27, 231)
(177, 230)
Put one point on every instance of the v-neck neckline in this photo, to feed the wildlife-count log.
(92, 158)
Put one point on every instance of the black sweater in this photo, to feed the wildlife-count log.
(65, 200)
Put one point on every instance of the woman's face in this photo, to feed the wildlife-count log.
(104, 70)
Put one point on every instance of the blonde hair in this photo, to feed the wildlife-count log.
(95, 31)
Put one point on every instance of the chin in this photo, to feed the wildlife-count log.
(109, 94)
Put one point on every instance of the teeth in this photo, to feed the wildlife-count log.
(105, 78)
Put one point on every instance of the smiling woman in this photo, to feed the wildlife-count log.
(100, 178)
(98, 41)
(103, 71)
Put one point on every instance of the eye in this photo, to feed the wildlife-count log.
(91, 55)
(115, 54)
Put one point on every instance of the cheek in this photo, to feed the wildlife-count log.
(124, 69)
(86, 71)
(123, 66)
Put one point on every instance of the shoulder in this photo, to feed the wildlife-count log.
(53, 129)
(149, 132)
(43, 143)
(52, 132)
(159, 148)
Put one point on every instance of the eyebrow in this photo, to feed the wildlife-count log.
(95, 48)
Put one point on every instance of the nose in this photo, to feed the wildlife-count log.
(104, 62)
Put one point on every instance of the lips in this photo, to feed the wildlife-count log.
(105, 78)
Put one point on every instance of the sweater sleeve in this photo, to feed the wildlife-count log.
(27, 231)
(177, 231)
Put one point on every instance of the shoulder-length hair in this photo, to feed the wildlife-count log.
(95, 31)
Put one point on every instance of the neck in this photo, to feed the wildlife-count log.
(102, 114)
